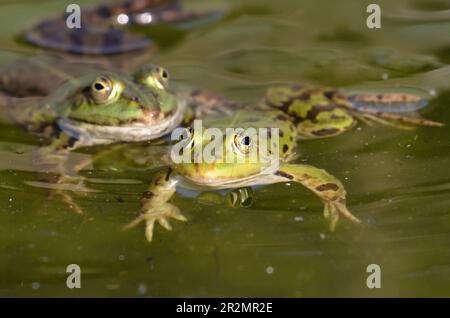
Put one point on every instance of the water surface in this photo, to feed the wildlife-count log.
(398, 182)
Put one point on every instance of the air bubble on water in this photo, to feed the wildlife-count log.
(299, 219)
(432, 92)
(385, 76)
(359, 128)
(35, 285)
(408, 145)
(322, 236)
(142, 289)
(269, 270)
(121, 257)
(371, 221)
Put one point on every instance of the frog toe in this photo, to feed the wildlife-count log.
(161, 215)
(332, 210)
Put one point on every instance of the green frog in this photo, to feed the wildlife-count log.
(242, 158)
(84, 105)
(326, 112)
(99, 108)
(298, 112)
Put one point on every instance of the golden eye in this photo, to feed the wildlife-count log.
(242, 143)
(153, 76)
(101, 89)
(161, 78)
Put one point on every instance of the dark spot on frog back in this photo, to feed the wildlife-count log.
(284, 175)
(327, 186)
(325, 132)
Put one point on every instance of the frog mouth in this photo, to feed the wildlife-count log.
(267, 175)
(90, 133)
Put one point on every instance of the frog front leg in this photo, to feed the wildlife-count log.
(154, 205)
(328, 188)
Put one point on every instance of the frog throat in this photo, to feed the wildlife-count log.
(131, 132)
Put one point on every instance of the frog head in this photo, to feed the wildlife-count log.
(112, 106)
(222, 156)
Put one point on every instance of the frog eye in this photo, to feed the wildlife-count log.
(162, 78)
(153, 76)
(164, 74)
(102, 89)
(242, 143)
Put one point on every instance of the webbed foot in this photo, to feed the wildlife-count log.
(328, 188)
(332, 210)
(161, 214)
(154, 205)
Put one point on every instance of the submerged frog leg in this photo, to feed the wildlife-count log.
(396, 102)
(51, 162)
(394, 119)
(372, 119)
(329, 189)
(154, 205)
(241, 197)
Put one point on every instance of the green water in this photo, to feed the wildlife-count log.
(398, 182)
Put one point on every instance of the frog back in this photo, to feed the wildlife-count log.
(315, 112)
